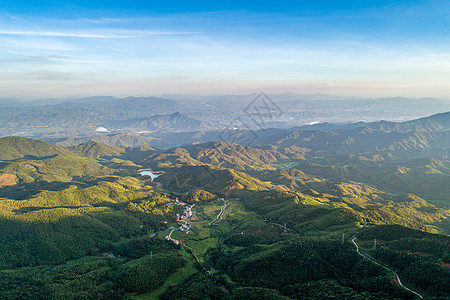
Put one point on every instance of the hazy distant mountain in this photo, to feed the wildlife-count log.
(176, 129)
(173, 122)
(81, 117)
(249, 97)
(76, 119)
(437, 122)
(123, 108)
(416, 138)
(11, 102)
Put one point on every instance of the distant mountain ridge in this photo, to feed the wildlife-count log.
(175, 122)
(388, 139)
(385, 138)
(435, 122)
(81, 117)
(119, 139)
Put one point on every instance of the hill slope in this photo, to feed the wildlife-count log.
(17, 147)
(97, 150)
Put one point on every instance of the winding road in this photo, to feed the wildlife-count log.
(171, 239)
(396, 275)
(219, 216)
(177, 242)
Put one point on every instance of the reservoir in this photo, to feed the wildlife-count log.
(149, 173)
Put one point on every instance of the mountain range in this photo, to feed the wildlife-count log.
(78, 118)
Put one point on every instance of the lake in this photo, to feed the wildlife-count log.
(149, 173)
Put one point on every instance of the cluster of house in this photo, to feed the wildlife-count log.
(187, 213)
(185, 227)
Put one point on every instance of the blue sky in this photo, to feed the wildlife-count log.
(122, 48)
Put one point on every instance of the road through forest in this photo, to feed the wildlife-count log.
(396, 275)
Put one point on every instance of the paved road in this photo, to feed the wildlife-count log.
(219, 216)
(396, 275)
(186, 246)
(171, 239)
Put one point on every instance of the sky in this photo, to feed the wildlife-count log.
(141, 48)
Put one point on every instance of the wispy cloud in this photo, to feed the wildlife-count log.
(47, 57)
(48, 75)
(60, 34)
(125, 33)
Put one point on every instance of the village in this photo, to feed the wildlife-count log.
(182, 219)
(184, 216)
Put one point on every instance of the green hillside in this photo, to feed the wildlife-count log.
(17, 147)
(427, 178)
(212, 179)
(58, 168)
(97, 150)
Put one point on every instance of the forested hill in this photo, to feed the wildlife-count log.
(97, 150)
(17, 147)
